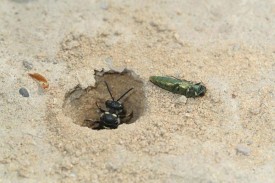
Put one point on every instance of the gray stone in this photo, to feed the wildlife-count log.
(243, 149)
(24, 92)
(181, 100)
(104, 5)
(27, 65)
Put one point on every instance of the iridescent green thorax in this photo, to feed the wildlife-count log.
(178, 86)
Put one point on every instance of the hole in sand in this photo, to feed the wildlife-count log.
(81, 104)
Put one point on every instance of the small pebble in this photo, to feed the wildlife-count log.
(27, 65)
(24, 92)
(109, 61)
(181, 100)
(104, 5)
(54, 61)
(22, 1)
(255, 110)
(243, 149)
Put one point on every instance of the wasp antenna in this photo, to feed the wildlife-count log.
(124, 94)
(109, 90)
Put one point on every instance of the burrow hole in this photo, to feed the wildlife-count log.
(81, 104)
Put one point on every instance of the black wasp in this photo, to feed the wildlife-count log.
(114, 115)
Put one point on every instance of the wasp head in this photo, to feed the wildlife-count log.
(114, 105)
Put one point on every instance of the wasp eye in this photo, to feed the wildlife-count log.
(108, 103)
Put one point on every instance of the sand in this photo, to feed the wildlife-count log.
(226, 136)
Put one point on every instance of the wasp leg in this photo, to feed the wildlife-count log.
(98, 127)
(126, 118)
(92, 124)
(101, 110)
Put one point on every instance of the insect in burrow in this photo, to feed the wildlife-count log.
(114, 115)
(178, 86)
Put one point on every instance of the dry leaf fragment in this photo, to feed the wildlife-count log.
(41, 79)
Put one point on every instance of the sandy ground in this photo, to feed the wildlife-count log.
(225, 136)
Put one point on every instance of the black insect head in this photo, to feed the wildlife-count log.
(115, 104)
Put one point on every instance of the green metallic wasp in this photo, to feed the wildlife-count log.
(178, 86)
